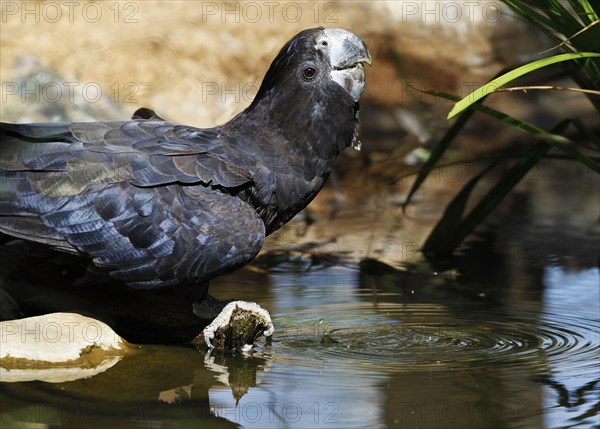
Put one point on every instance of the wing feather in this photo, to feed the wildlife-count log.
(146, 200)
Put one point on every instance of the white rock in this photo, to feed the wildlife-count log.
(56, 337)
(57, 347)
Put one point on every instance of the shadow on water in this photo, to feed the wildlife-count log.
(507, 335)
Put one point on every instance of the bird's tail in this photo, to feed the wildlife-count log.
(35, 132)
(26, 150)
(31, 146)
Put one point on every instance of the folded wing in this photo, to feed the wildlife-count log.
(151, 202)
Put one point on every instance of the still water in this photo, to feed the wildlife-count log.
(508, 338)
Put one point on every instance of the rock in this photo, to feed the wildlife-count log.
(57, 347)
(237, 327)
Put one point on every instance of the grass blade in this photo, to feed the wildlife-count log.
(444, 231)
(559, 141)
(490, 87)
(437, 152)
(448, 234)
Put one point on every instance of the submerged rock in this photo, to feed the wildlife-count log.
(57, 347)
(237, 327)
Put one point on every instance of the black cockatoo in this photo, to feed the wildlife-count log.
(156, 204)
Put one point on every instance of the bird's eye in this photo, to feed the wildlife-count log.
(309, 72)
(324, 43)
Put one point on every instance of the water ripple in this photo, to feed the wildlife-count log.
(443, 345)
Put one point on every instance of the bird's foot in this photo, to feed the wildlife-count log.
(237, 326)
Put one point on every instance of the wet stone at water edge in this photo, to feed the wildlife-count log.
(237, 327)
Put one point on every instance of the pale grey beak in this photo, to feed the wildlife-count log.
(347, 53)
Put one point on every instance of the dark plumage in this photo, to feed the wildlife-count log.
(156, 204)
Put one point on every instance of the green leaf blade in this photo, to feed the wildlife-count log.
(452, 228)
(514, 74)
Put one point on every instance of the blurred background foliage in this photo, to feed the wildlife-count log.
(575, 30)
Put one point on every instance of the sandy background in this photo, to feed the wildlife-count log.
(202, 61)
